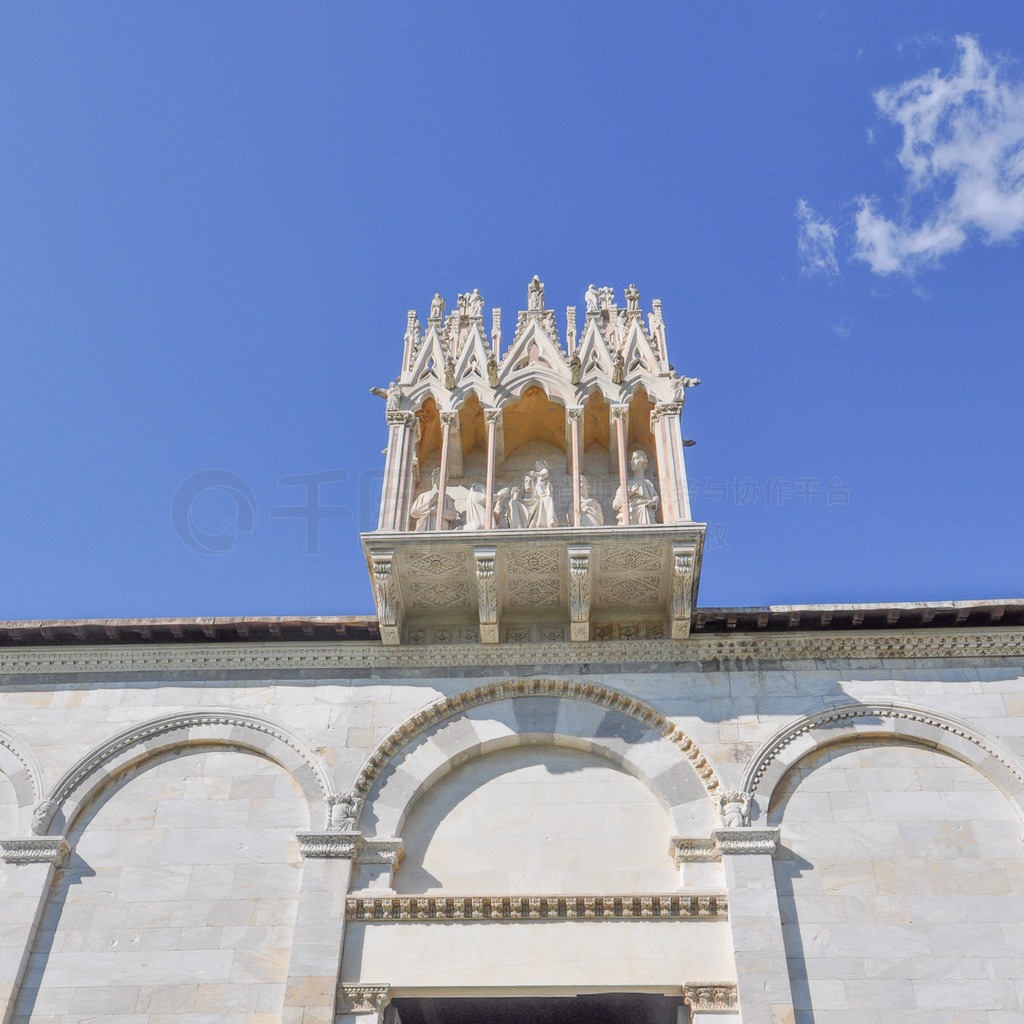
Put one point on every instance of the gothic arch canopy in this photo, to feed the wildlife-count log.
(185, 729)
(884, 719)
(456, 729)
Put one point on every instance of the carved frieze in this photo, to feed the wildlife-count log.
(362, 999)
(710, 997)
(37, 850)
(328, 844)
(390, 909)
(747, 840)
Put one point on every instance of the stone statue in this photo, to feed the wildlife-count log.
(591, 513)
(424, 508)
(592, 299)
(492, 370)
(540, 499)
(518, 516)
(606, 297)
(575, 367)
(632, 299)
(475, 303)
(463, 303)
(41, 815)
(343, 814)
(449, 373)
(535, 294)
(618, 368)
(680, 384)
(735, 808)
(641, 500)
(476, 508)
(436, 307)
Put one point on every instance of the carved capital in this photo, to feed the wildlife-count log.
(38, 850)
(685, 850)
(328, 844)
(682, 590)
(449, 417)
(487, 593)
(665, 409)
(492, 416)
(579, 591)
(747, 840)
(400, 419)
(619, 412)
(574, 413)
(710, 997)
(363, 998)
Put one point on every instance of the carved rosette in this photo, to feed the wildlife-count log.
(38, 850)
(682, 588)
(363, 998)
(386, 595)
(487, 593)
(710, 997)
(747, 840)
(579, 591)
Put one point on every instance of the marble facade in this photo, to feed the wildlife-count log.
(806, 814)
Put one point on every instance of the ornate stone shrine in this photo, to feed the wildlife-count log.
(535, 491)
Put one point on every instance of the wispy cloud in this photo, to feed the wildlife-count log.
(816, 242)
(963, 153)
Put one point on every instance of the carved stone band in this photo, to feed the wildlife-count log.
(351, 846)
(40, 850)
(710, 997)
(363, 998)
(387, 909)
(684, 850)
(746, 840)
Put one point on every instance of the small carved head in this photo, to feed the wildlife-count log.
(41, 816)
(584, 486)
(638, 460)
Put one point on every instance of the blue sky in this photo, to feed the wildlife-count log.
(214, 217)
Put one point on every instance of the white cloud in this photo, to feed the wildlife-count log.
(816, 242)
(963, 151)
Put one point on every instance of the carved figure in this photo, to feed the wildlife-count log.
(618, 368)
(641, 500)
(591, 513)
(463, 302)
(475, 303)
(518, 515)
(592, 299)
(632, 299)
(449, 372)
(424, 508)
(575, 367)
(343, 814)
(436, 307)
(476, 508)
(41, 815)
(735, 808)
(492, 370)
(535, 294)
(680, 384)
(607, 297)
(539, 500)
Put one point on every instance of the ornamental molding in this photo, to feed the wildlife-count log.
(39, 850)
(446, 707)
(710, 997)
(746, 840)
(229, 727)
(684, 850)
(363, 998)
(896, 713)
(276, 657)
(351, 846)
(392, 909)
(18, 763)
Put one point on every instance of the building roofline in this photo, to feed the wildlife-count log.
(325, 628)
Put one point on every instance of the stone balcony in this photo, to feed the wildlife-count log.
(516, 586)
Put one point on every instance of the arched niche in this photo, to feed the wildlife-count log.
(881, 718)
(535, 422)
(131, 747)
(551, 713)
(537, 818)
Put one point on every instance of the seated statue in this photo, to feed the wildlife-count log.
(540, 499)
(591, 513)
(424, 508)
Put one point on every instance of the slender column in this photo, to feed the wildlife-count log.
(447, 419)
(491, 419)
(396, 471)
(314, 968)
(619, 418)
(762, 973)
(30, 865)
(675, 502)
(575, 414)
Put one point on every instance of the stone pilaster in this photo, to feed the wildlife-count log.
(763, 976)
(487, 593)
(315, 965)
(668, 442)
(30, 867)
(579, 592)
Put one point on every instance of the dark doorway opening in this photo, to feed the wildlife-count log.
(596, 1008)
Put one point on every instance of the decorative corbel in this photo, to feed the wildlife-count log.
(487, 593)
(682, 589)
(385, 592)
(579, 592)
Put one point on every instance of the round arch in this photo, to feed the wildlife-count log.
(497, 716)
(180, 730)
(884, 719)
(18, 764)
